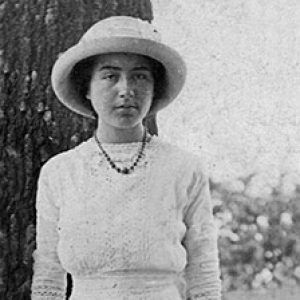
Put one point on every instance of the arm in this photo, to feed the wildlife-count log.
(49, 278)
(202, 271)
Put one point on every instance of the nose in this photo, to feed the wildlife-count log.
(125, 88)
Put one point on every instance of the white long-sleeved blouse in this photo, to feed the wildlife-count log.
(146, 235)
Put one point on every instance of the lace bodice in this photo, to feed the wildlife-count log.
(146, 235)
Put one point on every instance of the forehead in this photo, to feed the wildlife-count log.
(123, 61)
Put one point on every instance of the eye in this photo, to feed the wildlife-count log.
(109, 77)
(140, 76)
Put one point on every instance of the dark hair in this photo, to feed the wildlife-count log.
(82, 73)
(81, 76)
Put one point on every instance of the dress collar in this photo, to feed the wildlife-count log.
(118, 150)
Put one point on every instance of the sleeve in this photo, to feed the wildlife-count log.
(202, 271)
(49, 278)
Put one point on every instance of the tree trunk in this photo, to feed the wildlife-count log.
(34, 126)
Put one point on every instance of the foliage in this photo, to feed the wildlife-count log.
(259, 240)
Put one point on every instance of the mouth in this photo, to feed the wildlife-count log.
(126, 107)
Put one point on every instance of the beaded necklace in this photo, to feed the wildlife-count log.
(113, 165)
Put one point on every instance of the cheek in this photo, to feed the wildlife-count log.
(97, 90)
(101, 97)
(146, 91)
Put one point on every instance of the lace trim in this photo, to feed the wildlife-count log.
(47, 291)
(123, 145)
(204, 296)
(209, 289)
(121, 152)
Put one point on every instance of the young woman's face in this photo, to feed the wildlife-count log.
(121, 89)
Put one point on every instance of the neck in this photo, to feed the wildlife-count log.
(108, 134)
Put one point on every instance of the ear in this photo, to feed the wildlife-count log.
(88, 94)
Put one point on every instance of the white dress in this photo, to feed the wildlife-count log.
(148, 235)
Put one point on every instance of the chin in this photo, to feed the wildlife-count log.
(124, 121)
(127, 123)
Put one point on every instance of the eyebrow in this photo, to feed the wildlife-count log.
(109, 68)
(140, 68)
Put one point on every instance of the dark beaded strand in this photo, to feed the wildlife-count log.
(113, 165)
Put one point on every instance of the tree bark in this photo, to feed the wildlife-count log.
(34, 126)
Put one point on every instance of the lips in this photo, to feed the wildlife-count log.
(126, 106)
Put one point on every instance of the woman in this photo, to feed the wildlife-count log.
(125, 213)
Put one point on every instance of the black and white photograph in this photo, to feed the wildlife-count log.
(149, 149)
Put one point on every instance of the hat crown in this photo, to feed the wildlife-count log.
(121, 26)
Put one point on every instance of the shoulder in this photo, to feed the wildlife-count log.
(180, 157)
(67, 159)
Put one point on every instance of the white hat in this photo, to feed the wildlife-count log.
(114, 35)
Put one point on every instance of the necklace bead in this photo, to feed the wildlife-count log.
(113, 165)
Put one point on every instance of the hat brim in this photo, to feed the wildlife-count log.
(168, 57)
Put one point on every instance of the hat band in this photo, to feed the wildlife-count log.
(138, 32)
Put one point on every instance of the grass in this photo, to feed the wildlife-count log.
(292, 293)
